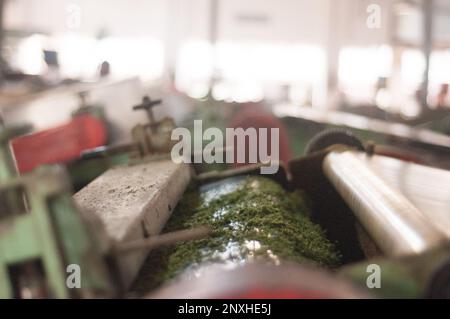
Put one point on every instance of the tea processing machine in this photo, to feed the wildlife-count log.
(378, 210)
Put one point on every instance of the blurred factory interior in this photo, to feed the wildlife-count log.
(379, 69)
(324, 55)
(386, 61)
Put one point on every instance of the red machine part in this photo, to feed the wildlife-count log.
(59, 144)
(264, 293)
(253, 116)
(406, 157)
(258, 280)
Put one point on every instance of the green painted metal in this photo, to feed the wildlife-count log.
(42, 233)
(416, 276)
(83, 171)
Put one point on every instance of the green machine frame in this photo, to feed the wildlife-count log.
(42, 233)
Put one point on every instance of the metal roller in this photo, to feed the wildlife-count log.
(393, 222)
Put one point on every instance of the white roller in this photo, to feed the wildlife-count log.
(394, 223)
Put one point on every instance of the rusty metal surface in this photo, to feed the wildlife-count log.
(135, 202)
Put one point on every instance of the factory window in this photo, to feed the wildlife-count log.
(194, 68)
(439, 79)
(243, 72)
(80, 56)
(360, 70)
(412, 68)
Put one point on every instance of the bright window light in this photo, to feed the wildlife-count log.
(413, 66)
(80, 56)
(143, 56)
(360, 69)
(194, 67)
(77, 56)
(245, 71)
(29, 57)
(439, 67)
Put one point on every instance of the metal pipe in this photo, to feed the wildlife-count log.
(427, 9)
(393, 222)
(2, 37)
(165, 239)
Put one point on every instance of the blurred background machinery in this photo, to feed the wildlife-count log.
(358, 90)
(368, 208)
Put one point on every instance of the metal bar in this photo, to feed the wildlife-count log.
(393, 222)
(427, 8)
(2, 37)
(213, 23)
(165, 239)
(213, 36)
